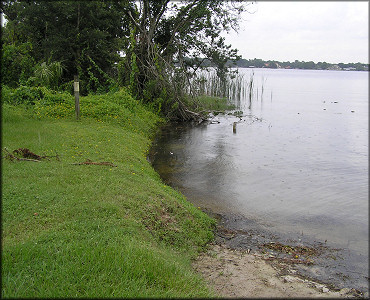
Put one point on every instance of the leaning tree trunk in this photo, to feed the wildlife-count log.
(150, 65)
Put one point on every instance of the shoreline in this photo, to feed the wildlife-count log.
(236, 273)
(240, 266)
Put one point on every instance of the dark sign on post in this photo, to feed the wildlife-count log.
(77, 97)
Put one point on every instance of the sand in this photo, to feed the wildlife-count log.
(239, 274)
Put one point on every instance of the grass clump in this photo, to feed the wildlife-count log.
(215, 103)
(93, 230)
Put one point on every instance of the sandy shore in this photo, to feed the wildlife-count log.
(236, 273)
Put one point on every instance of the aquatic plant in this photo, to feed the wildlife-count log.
(235, 87)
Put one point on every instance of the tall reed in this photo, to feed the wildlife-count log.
(235, 87)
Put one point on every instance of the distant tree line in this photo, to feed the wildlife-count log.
(274, 64)
(310, 65)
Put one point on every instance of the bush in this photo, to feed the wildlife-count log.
(16, 63)
(120, 108)
(22, 95)
(115, 107)
(48, 74)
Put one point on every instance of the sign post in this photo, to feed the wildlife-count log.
(77, 97)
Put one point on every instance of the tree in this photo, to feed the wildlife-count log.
(16, 64)
(168, 43)
(84, 36)
(310, 65)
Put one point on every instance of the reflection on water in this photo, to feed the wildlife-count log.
(298, 162)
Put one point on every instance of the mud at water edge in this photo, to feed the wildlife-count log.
(251, 273)
(236, 273)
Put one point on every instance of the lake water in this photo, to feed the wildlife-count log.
(296, 165)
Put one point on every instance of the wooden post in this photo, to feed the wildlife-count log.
(77, 97)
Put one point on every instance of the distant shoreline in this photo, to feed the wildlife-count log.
(310, 65)
(253, 67)
(301, 65)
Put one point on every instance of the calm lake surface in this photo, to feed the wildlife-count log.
(297, 163)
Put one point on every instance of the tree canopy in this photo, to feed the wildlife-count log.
(84, 36)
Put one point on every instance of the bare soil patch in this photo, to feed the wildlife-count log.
(239, 273)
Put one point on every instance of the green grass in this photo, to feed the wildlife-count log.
(94, 230)
(214, 103)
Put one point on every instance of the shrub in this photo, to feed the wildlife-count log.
(115, 107)
(22, 95)
(49, 74)
(120, 108)
(16, 63)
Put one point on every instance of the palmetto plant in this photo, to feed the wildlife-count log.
(49, 74)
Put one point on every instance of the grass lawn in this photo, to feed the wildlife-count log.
(93, 230)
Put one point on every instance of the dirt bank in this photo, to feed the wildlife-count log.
(237, 273)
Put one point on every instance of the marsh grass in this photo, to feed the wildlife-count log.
(92, 230)
(235, 88)
(215, 103)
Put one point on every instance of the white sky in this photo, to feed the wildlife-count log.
(319, 31)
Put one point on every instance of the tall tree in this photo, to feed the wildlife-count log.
(84, 35)
(169, 42)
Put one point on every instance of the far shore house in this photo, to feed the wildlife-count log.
(334, 67)
(349, 69)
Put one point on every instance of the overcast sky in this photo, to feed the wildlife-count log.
(319, 31)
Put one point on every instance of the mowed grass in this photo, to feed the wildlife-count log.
(93, 230)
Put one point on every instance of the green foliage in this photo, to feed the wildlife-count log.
(22, 95)
(122, 73)
(159, 41)
(54, 105)
(159, 99)
(70, 32)
(95, 80)
(134, 70)
(13, 114)
(115, 107)
(49, 75)
(165, 36)
(119, 108)
(88, 230)
(16, 64)
(214, 103)
(133, 74)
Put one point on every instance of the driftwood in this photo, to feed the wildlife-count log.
(89, 162)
